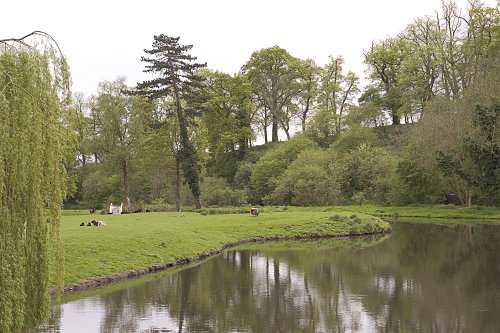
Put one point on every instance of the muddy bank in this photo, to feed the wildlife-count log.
(113, 278)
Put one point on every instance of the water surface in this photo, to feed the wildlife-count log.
(421, 278)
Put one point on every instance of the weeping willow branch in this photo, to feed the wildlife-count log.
(33, 86)
(11, 43)
(57, 63)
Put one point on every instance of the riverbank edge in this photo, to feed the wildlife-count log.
(101, 281)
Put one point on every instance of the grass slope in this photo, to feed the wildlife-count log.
(136, 241)
(436, 212)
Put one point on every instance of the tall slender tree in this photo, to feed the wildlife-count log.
(178, 78)
(275, 78)
(118, 129)
(306, 101)
(337, 90)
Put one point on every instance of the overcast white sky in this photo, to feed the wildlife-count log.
(105, 39)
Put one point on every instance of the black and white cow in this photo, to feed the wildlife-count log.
(254, 211)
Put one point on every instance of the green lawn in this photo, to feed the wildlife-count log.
(137, 241)
(436, 212)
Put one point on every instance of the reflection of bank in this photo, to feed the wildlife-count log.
(421, 278)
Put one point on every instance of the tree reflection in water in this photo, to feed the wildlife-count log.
(423, 278)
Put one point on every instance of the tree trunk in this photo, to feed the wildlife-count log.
(266, 124)
(275, 125)
(197, 201)
(177, 186)
(126, 185)
(304, 114)
(395, 118)
(469, 197)
(287, 132)
(187, 154)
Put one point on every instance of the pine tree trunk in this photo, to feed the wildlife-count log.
(177, 186)
(188, 157)
(197, 202)
(126, 185)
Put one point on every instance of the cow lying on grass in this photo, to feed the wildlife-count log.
(93, 223)
(97, 223)
(254, 211)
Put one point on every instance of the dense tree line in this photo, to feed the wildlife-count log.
(423, 130)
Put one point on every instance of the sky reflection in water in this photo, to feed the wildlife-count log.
(422, 278)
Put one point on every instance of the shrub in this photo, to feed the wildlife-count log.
(270, 167)
(159, 205)
(217, 192)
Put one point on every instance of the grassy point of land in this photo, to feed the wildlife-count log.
(134, 242)
(491, 214)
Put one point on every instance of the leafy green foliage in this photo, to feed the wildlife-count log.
(364, 174)
(275, 78)
(272, 165)
(228, 112)
(320, 127)
(420, 183)
(355, 137)
(308, 181)
(483, 145)
(217, 192)
(337, 91)
(120, 128)
(434, 56)
(33, 182)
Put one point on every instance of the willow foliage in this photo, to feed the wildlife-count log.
(33, 142)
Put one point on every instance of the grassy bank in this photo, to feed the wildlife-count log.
(136, 241)
(432, 212)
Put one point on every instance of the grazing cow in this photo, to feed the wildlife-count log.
(254, 211)
(92, 210)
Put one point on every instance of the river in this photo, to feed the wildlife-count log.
(421, 278)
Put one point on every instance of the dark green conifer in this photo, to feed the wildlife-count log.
(177, 78)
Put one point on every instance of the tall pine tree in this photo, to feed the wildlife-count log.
(178, 79)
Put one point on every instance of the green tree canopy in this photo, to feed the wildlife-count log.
(275, 78)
